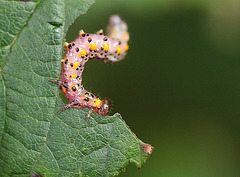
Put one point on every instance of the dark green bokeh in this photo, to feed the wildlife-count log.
(178, 88)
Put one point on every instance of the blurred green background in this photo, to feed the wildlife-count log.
(179, 87)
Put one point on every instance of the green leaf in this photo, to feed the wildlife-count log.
(34, 138)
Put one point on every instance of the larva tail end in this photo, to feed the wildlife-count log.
(117, 29)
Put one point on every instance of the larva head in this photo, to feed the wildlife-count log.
(103, 108)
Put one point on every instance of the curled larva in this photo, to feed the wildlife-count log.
(110, 48)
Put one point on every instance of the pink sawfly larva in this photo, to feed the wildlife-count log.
(110, 48)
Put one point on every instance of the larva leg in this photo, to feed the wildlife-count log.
(89, 113)
(72, 104)
(63, 84)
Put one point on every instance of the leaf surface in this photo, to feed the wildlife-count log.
(34, 138)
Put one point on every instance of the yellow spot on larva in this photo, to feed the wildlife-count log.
(118, 50)
(72, 76)
(96, 102)
(93, 46)
(126, 47)
(75, 65)
(82, 53)
(105, 46)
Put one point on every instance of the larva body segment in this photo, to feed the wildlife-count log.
(87, 46)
